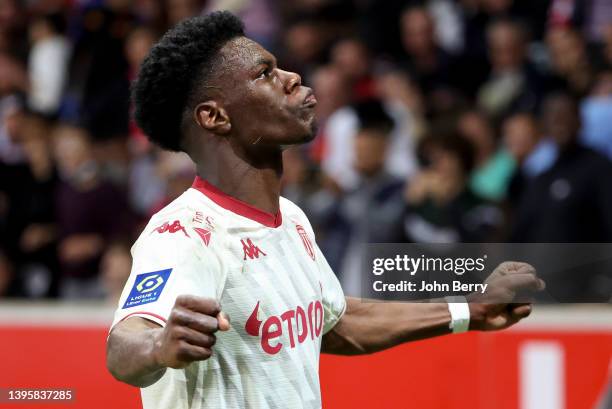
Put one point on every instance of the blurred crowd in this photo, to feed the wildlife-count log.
(439, 121)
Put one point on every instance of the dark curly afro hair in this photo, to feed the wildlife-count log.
(182, 58)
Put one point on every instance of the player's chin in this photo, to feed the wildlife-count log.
(311, 125)
(304, 133)
(310, 132)
(312, 129)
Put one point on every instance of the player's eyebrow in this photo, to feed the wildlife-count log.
(266, 60)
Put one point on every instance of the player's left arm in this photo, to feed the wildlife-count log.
(371, 326)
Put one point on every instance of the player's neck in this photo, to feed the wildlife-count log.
(255, 182)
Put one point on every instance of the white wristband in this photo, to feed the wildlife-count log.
(460, 314)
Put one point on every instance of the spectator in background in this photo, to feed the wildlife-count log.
(448, 23)
(30, 230)
(137, 46)
(13, 23)
(146, 187)
(597, 18)
(400, 91)
(13, 76)
(13, 85)
(333, 92)
(402, 102)
(590, 16)
(513, 84)
(97, 95)
(312, 190)
(596, 112)
(605, 50)
(90, 212)
(493, 166)
(352, 58)
(333, 89)
(176, 171)
(305, 41)
(38, 265)
(441, 206)
(477, 16)
(572, 201)
(47, 63)
(531, 13)
(118, 150)
(295, 182)
(372, 21)
(570, 61)
(425, 61)
(521, 136)
(11, 117)
(371, 212)
(115, 268)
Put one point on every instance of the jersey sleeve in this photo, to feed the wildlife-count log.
(164, 266)
(334, 302)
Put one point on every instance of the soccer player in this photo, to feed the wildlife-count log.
(230, 246)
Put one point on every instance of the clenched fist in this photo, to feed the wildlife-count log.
(495, 309)
(189, 334)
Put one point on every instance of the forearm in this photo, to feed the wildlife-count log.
(371, 326)
(130, 354)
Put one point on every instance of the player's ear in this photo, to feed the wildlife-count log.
(213, 117)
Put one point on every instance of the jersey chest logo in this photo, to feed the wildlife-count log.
(306, 241)
(251, 250)
(298, 325)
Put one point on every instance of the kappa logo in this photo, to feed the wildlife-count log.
(250, 250)
(306, 241)
(171, 228)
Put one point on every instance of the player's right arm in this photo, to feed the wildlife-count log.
(167, 315)
(139, 350)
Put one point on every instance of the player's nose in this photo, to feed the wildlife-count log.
(291, 80)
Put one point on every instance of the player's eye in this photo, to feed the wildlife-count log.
(265, 73)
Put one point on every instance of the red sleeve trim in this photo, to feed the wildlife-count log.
(159, 317)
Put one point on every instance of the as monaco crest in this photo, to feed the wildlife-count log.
(306, 241)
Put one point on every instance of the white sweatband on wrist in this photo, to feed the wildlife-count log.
(460, 314)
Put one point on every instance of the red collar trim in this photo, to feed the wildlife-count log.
(237, 206)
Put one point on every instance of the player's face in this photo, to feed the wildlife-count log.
(267, 106)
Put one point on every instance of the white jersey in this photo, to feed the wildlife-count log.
(270, 278)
